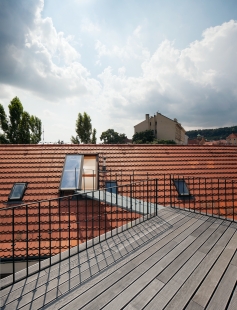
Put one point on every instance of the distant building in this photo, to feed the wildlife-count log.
(199, 140)
(218, 142)
(232, 139)
(163, 127)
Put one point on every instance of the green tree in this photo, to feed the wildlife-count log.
(146, 136)
(35, 127)
(84, 130)
(20, 127)
(93, 140)
(112, 137)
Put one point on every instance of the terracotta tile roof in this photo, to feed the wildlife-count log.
(49, 230)
(232, 135)
(41, 167)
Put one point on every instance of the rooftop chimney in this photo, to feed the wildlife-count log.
(147, 117)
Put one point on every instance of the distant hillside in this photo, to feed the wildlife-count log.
(212, 134)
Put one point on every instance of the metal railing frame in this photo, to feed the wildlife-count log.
(110, 212)
(209, 196)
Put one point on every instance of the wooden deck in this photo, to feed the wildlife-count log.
(176, 260)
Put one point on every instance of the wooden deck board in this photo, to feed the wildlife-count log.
(159, 239)
(224, 290)
(172, 269)
(178, 259)
(183, 296)
(210, 283)
(96, 254)
(233, 301)
(147, 264)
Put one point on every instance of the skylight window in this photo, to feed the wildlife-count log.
(17, 191)
(72, 172)
(111, 187)
(181, 187)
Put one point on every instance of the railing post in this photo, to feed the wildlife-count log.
(164, 189)
(206, 194)
(13, 243)
(156, 196)
(199, 195)
(27, 242)
(111, 201)
(86, 220)
(147, 206)
(93, 173)
(122, 206)
(69, 226)
(233, 200)
(60, 229)
(170, 191)
(105, 208)
(130, 191)
(225, 198)
(219, 197)
(92, 219)
(78, 224)
(39, 235)
(212, 196)
(99, 215)
(50, 236)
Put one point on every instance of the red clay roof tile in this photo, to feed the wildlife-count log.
(41, 166)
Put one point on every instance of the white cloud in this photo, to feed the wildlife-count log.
(50, 115)
(137, 31)
(197, 84)
(43, 60)
(88, 26)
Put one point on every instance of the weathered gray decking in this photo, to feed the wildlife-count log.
(176, 260)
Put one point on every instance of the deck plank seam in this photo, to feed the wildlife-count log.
(187, 261)
(176, 245)
(197, 270)
(180, 221)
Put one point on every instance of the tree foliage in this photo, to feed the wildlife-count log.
(212, 134)
(146, 136)
(84, 130)
(112, 137)
(93, 139)
(20, 127)
(165, 142)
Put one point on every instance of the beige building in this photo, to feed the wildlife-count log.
(232, 139)
(164, 128)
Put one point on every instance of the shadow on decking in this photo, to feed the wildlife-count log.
(41, 290)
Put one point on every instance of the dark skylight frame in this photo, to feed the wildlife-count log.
(111, 187)
(181, 187)
(72, 172)
(17, 191)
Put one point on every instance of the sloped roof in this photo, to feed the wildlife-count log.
(232, 136)
(41, 165)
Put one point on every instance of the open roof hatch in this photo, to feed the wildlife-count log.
(72, 172)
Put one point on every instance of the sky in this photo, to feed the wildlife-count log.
(120, 60)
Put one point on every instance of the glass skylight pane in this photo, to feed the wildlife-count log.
(72, 172)
(17, 191)
(181, 187)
